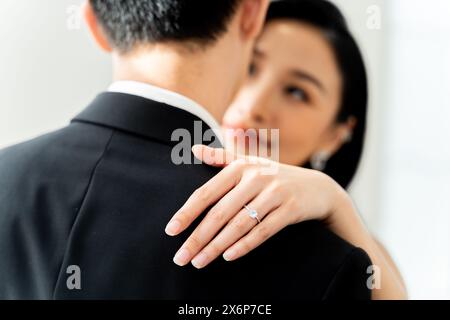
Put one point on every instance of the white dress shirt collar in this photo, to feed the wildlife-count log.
(168, 97)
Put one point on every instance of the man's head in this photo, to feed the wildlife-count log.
(133, 22)
(221, 32)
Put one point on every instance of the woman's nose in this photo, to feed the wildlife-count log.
(258, 108)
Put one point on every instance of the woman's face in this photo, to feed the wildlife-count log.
(293, 85)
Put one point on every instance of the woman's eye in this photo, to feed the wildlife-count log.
(296, 93)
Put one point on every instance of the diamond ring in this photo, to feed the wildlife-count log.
(252, 213)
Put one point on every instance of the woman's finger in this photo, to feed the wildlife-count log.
(204, 197)
(237, 228)
(273, 223)
(216, 218)
(216, 157)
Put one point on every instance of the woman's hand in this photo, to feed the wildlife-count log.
(281, 197)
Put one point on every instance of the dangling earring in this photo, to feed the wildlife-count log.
(348, 137)
(319, 160)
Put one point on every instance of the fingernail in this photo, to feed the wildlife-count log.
(200, 260)
(230, 254)
(182, 257)
(173, 227)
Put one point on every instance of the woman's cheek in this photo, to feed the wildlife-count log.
(296, 142)
(290, 147)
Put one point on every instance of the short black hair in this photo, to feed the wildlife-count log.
(128, 23)
(325, 16)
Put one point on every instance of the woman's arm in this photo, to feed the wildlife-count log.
(281, 195)
(346, 223)
(391, 263)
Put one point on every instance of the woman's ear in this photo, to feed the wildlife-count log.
(94, 27)
(344, 131)
(339, 134)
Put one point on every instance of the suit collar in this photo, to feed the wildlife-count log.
(146, 118)
(165, 96)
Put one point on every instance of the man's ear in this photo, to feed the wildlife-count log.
(252, 17)
(94, 27)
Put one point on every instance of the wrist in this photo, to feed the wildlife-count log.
(345, 220)
(342, 210)
(338, 199)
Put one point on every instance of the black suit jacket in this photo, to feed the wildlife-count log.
(98, 194)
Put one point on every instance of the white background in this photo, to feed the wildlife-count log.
(50, 69)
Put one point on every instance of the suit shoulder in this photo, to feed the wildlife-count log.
(348, 265)
(317, 237)
(51, 171)
(313, 246)
(335, 247)
(352, 280)
(48, 152)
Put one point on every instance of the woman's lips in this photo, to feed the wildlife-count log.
(258, 137)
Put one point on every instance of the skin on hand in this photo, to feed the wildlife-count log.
(290, 196)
